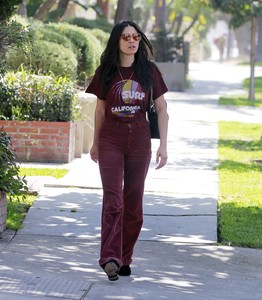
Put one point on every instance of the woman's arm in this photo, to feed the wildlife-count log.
(99, 119)
(161, 109)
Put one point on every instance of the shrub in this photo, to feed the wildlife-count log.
(10, 181)
(79, 37)
(101, 36)
(45, 57)
(92, 24)
(89, 48)
(37, 98)
(42, 32)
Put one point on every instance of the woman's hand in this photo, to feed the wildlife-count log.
(99, 118)
(161, 157)
(161, 154)
(94, 153)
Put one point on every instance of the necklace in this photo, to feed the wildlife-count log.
(122, 76)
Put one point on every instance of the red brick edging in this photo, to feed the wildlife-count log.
(40, 141)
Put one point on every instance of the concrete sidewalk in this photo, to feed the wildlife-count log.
(55, 255)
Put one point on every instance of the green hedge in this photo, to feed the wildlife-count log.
(89, 48)
(42, 32)
(101, 35)
(26, 96)
(45, 57)
(92, 24)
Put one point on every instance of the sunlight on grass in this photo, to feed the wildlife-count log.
(57, 173)
(17, 208)
(240, 189)
(240, 100)
(258, 84)
(16, 211)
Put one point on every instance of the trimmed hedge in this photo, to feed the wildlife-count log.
(92, 24)
(45, 57)
(89, 48)
(26, 96)
(101, 36)
(47, 34)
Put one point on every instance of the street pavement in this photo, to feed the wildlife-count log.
(55, 255)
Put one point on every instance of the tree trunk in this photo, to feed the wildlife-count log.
(259, 40)
(122, 10)
(44, 9)
(160, 14)
(252, 59)
(191, 25)
(61, 8)
(105, 7)
(22, 11)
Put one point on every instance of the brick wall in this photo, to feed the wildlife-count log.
(42, 141)
(3, 211)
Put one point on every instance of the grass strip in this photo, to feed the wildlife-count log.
(18, 208)
(55, 172)
(240, 184)
(242, 100)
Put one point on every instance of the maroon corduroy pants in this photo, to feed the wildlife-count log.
(124, 157)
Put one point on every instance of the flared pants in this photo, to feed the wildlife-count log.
(124, 157)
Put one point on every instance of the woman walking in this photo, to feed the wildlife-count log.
(122, 143)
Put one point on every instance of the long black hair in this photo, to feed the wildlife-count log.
(110, 60)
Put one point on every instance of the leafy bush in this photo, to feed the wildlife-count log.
(89, 48)
(42, 32)
(45, 57)
(10, 181)
(101, 36)
(92, 24)
(37, 98)
(86, 50)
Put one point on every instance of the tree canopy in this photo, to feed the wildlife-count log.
(8, 8)
(240, 10)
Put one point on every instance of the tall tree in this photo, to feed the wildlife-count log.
(43, 9)
(61, 8)
(160, 15)
(22, 11)
(105, 7)
(122, 11)
(241, 12)
(259, 40)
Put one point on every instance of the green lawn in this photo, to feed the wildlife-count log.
(242, 100)
(17, 208)
(240, 184)
(56, 172)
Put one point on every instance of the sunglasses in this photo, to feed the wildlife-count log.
(136, 36)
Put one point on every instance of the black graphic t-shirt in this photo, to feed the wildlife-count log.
(126, 99)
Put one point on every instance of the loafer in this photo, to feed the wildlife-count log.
(111, 270)
(124, 271)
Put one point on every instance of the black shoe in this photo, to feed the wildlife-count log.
(124, 271)
(111, 270)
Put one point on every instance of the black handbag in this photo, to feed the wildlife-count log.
(152, 118)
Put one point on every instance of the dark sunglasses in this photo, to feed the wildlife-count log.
(136, 36)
